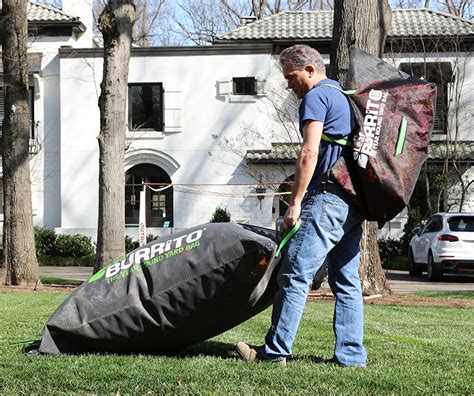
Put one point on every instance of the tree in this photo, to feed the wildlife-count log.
(364, 23)
(19, 242)
(460, 8)
(199, 21)
(146, 29)
(116, 24)
(220, 215)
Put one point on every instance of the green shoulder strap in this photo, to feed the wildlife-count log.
(326, 138)
(345, 92)
(340, 142)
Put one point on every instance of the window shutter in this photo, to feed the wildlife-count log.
(31, 104)
(260, 85)
(30, 108)
(2, 109)
(224, 86)
(172, 109)
(440, 116)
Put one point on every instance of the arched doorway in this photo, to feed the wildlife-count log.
(284, 199)
(159, 204)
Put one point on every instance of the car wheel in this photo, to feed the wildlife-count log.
(413, 268)
(434, 274)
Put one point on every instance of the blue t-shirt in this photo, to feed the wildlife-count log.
(331, 107)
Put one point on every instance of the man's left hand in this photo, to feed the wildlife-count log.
(292, 216)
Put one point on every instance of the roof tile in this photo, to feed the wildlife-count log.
(38, 12)
(314, 25)
(288, 152)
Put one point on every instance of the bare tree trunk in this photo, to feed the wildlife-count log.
(371, 273)
(429, 204)
(363, 23)
(19, 240)
(116, 24)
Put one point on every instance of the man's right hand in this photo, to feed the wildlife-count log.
(292, 216)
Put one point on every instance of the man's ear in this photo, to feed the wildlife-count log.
(310, 69)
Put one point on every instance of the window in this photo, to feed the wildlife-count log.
(159, 204)
(461, 223)
(1, 197)
(31, 101)
(284, 200)
(434, 225)
(241, 89)
(441, 74)
(145, 106)
(244, 86)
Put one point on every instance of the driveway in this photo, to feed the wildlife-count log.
(399, 281)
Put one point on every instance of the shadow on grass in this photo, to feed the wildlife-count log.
(215, 349)
(227, 351)
(208, 348)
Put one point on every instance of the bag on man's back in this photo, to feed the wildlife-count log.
(394, 115)
(171, 293)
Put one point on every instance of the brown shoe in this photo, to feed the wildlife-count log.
(254, 354)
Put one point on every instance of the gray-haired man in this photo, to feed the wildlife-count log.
(330, 224)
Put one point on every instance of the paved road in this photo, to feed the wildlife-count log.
(75, 273)
(399, 281)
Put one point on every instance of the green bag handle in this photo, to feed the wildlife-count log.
(24, 342)
(287, 236)
(326, 138)
(259, 290)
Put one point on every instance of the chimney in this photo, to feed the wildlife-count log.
(83, 10)
(247, 19)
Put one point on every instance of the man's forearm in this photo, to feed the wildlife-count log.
(305, 166)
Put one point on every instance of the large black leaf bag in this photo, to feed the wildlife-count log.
(171, 293)
(394, 115)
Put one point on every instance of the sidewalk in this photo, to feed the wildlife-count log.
(74, 273)
(399, 281)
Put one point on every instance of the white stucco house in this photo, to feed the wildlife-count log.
(208, 126)
(48, 30)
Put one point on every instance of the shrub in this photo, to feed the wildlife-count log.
(151, 238)
(390, 248)
(86, 261)
(45, 241)
(414, 220)
(131, 244)
(221, 215)
(73, 245)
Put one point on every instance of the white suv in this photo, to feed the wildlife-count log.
(445, 243)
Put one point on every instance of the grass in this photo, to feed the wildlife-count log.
(412, 350)
(48, 280)
(464, 294)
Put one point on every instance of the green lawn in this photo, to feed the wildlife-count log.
(464, 294)
(48, 280)
(411, 350)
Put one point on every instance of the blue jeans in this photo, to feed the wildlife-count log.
(330, 226)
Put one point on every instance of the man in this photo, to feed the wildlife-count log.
(330, 224)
